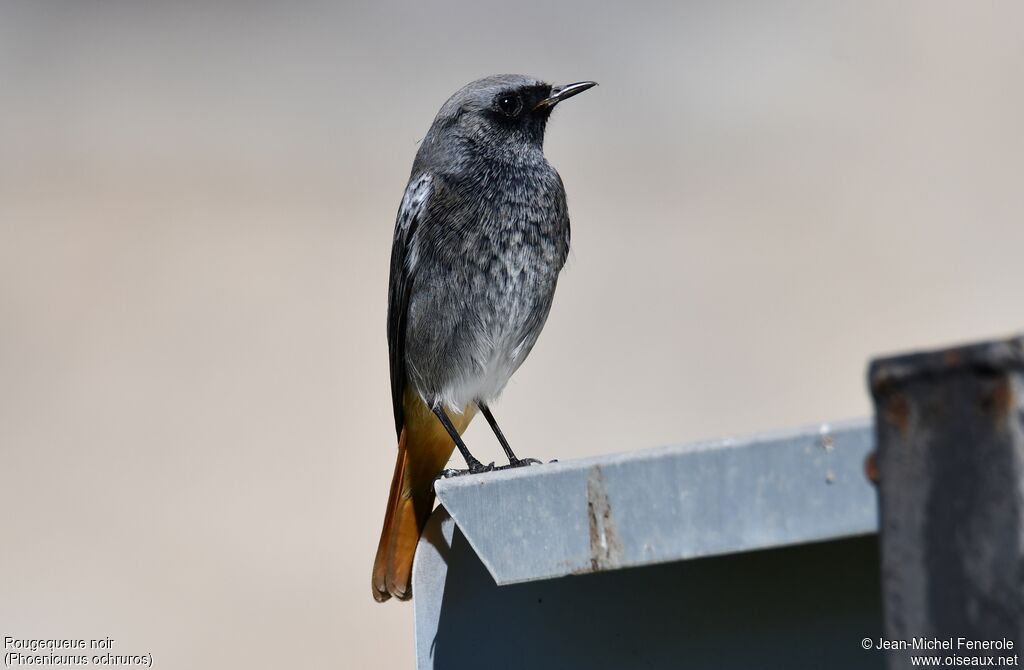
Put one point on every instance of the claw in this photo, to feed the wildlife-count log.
(477, 468)
(474, 468)
(519, 463)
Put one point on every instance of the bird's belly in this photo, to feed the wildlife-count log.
(500, 334)
(484, 383)
(493, 329)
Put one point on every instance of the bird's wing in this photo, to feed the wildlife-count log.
(404, 259)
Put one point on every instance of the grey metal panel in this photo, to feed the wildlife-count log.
(429, 577)
(667, 504)
(807, 606)
(951, 460)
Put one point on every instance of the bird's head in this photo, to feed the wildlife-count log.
(502, 116)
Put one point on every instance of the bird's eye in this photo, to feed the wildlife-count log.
(508, 104)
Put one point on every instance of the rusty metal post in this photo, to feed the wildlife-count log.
(950, 436)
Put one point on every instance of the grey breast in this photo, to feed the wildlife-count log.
(488, 264)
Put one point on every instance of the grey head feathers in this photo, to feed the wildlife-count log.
(494, 118)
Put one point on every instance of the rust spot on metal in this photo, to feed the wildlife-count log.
(999, 401)
(605, 548)
(897, 412)
(871, 467)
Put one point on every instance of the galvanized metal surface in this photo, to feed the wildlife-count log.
(668, 504)
(806, 606)
(950, 428)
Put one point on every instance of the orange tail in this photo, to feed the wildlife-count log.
(423, 449)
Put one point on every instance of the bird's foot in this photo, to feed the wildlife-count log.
(475, 468)
(520, 462)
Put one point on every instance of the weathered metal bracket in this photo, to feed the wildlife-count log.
(668, 504)
(951, 463)
(648, 510)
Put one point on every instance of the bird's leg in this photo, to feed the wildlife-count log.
(512, 460)
(474, 466)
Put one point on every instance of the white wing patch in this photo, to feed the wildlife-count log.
(416, 196)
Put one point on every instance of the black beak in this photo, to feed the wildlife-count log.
(560, 93)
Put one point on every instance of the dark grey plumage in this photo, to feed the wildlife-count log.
(481, 235)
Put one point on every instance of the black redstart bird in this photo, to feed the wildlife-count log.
(481, 236)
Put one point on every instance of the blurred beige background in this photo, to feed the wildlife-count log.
(196, 206)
